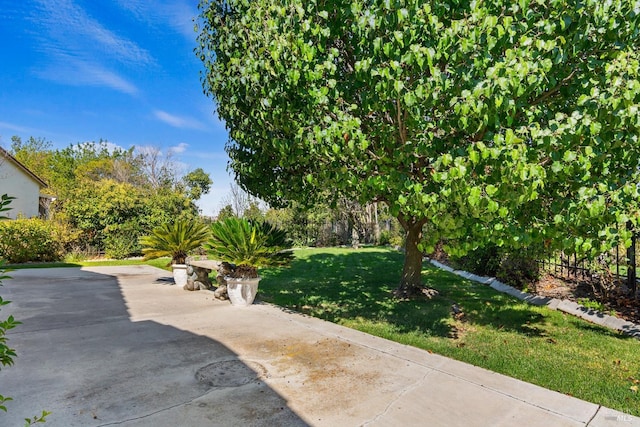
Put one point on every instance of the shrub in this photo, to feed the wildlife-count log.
(385, 238)
(122, 240)
(397, 241)
(120, 245)
(485, 261)
(25, 240)
(75, 255)
(519, 270)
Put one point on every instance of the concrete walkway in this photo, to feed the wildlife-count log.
(110, 346)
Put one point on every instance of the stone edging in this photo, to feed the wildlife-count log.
(565, 306)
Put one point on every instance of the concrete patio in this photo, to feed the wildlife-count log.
(109, 346)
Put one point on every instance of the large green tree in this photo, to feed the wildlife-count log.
(509, 120)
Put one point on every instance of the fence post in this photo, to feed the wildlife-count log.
(632, 282)
(618, 262)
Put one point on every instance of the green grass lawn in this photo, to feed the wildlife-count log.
(159, 262)
(498, 332)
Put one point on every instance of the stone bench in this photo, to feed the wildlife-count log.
(198, 274)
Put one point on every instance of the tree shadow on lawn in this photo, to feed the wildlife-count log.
(339, 285)
(485, 306)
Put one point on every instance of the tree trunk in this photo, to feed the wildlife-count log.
(376, 225)
(411, 281)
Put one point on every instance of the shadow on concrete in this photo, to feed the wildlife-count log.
(82, 358)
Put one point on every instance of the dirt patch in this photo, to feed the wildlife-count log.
(323, 365)
(619, 302)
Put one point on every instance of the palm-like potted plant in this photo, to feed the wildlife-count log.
(247, 245)
(176, 240)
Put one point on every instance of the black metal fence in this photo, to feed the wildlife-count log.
(622, 265)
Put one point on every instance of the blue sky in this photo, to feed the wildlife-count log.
(119, 70)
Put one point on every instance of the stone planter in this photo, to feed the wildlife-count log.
(180, 274)
(242, 292)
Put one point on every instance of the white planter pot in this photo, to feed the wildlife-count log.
(180, 274)
(242, 292)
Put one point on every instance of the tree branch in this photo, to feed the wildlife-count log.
(553, 91)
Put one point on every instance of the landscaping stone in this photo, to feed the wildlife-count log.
(499, 286)
(569, 307)
(515, 293)
(590, 314)
(537, 300)
(442, 266)
(553, 304)
(566, 306)
(463, 274)
(613, 322)
(481, 279)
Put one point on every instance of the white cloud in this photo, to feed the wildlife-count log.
(176, 14)
(177, 121)
(70, 30)
(79, 50)
(15, 128)
(74, 72)
(180, 148)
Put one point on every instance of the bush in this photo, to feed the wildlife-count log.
(392, 238)
(485, 261)
(519, 270)
(25, 240)
(75, 255)
(120, 245)
(385, 238)
(397, 241)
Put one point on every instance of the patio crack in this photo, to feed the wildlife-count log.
(150, 414)
(402, 393)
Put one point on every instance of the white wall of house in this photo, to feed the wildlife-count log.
(15, 182)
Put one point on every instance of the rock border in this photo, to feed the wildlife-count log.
(566, 306)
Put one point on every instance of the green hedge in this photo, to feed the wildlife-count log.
(516, 268)
(25, 240)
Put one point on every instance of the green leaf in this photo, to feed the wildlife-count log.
(474, 156)
(569, 156)
(491, 189)
(474, 196)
